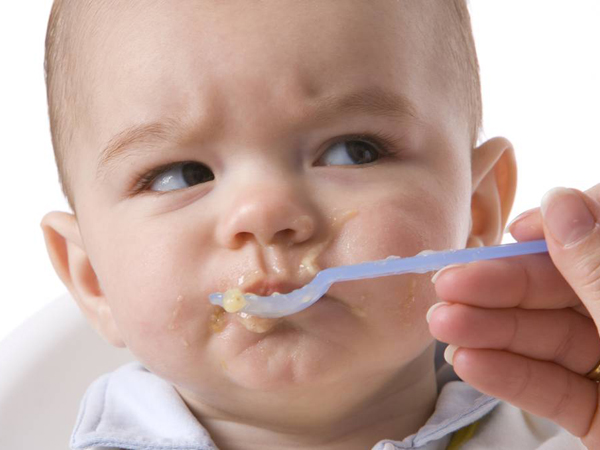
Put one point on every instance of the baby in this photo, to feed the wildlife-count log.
(209, 145)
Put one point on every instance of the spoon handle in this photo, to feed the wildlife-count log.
(429, 262)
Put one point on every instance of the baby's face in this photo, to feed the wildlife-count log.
(257, 144)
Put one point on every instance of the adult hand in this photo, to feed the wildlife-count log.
(525, 329)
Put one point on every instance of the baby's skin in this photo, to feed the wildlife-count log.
(218, 147)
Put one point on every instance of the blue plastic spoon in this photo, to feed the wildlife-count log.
(281, 305)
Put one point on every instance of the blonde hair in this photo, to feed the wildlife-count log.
(65, 67)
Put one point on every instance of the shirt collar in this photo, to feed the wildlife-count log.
(132, 408)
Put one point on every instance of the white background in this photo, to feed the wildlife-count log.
(540, 73)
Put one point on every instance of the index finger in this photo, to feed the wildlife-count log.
(531, 282)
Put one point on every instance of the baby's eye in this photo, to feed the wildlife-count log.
(180, 176)
(351, 151)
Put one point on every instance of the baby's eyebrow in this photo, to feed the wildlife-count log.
(123, 142)
(373, 101)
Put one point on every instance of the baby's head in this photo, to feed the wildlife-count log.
(324, 133)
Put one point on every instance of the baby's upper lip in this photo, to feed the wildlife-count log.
(267, 286)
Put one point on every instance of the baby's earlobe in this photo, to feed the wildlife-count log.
(474, 242)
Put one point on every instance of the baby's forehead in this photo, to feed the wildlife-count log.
(141, 50)
(110, 24)
(268, 38)
(178, 54)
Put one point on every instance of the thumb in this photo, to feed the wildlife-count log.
(571, 225)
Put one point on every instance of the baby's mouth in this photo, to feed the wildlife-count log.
(233, 302)
(270, 286)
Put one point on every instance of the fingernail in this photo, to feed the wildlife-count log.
(520, 217)
(442, 270)
(566, 215)
(449, 353)
(433, 308)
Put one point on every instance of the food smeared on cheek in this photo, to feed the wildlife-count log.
(173, 325)
(308, 263)
(175, 316)
(337, 221)
(410, 305)
(411, 291)
(358, 311)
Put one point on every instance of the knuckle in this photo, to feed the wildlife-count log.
(563, 350)
(522, 381)
(524, 281)
(561, 404)
(513, 329)
(589, 266)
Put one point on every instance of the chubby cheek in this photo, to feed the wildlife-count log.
(162, 318)
(392, 310)
(408, 223)
(402, 225)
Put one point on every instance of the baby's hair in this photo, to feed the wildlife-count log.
(64, 49)
(457, 48)
(67, 65)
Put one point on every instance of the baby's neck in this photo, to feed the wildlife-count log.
(397, 410)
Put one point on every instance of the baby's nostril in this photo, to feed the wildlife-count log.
(286, 237)
(240, 239)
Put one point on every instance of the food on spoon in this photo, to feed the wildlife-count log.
(233, 300)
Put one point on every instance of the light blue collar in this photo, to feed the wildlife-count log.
(132, 408)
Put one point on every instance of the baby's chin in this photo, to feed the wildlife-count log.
(310, 347)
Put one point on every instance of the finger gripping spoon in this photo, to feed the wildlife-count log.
(281, 305)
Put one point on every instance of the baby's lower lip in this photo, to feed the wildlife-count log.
(256, 324)
(263, 325)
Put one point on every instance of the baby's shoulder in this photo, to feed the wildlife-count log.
(508, 427)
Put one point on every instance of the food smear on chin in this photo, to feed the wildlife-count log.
(256, 324)
(233, 302)
(217, 319)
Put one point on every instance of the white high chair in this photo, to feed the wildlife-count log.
(45, 367)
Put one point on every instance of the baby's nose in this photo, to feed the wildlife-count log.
(268, 216)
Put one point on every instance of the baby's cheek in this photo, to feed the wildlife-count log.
(154, 311)
(170, 337)
(398, 226)
(396, 310)
(402, 301)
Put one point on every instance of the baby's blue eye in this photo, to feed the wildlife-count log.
(181, 176)
(350, 152)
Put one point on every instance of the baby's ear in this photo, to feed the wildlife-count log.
(494, 181)
(71, 262)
